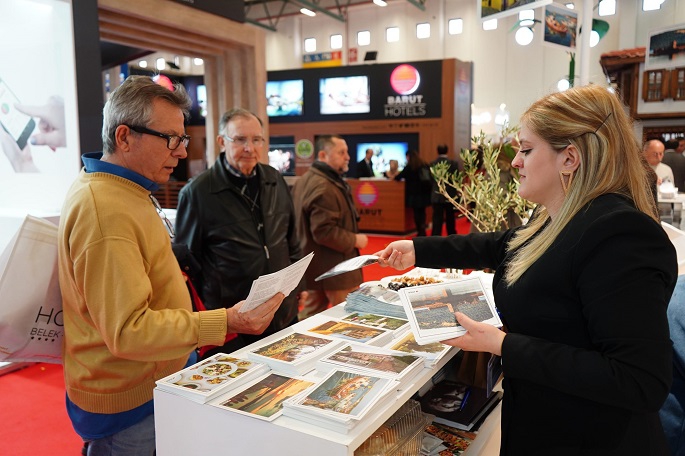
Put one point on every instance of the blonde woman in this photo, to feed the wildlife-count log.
(582, 289)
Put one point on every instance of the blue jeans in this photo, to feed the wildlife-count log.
(137, 440)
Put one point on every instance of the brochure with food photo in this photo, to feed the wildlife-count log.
(264, 398)
(430, 308)
(209, 378)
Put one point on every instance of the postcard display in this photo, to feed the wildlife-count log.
(189, 423)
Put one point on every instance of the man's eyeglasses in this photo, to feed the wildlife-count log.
(172, 141)
(241, 141)
(162, 215)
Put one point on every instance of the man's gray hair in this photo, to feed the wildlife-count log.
(232, 114)
(131, 103)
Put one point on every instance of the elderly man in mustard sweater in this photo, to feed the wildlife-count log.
(128, 318)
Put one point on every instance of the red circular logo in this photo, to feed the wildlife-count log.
(405, 79)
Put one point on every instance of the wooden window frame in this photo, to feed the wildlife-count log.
(648, 93)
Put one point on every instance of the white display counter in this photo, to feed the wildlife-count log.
(185, 427)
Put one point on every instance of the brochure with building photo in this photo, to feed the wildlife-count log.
(294, 353)
(263, 398)
(375, 360)
(432, 353)
(430, 308)
(209, 378)
(347, 331)
(342, 395)
(377, 321)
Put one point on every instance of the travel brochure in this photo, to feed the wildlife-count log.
(431, 353)
(349, 265)
(430, 308)
(375, 360)
(285, 281)
(264, 398)
(209, 378)
(294, 353)
(458, 405)
(340, 399)
(346, 330)
(379, 321)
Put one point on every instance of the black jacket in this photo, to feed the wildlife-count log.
(216, 222)
(587, 357)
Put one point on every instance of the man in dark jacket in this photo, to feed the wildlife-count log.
(327, 225)
(441, 206)
(238, 220)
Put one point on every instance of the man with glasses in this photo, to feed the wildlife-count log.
(127, 313)
(237, 219)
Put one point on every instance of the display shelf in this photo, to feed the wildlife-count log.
(185, 427)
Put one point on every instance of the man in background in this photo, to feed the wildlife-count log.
(327, 225)
(237, 219)
(653, 151)
(443, 210)
(676, 162)
(128, 320)
(365, 166)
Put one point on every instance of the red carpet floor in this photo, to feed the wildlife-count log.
(32, 411)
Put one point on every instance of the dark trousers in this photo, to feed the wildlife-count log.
(443, 211)
(420, 220)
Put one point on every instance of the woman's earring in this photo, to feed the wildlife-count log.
(566, 179)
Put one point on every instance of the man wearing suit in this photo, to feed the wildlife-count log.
(365, 167)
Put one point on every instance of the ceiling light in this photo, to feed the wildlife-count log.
(570, 5)
(380, 2)
(142, 64)
(524, 36)
(160, 64)
(198, 61)
(307, 12)
(563, 84)
(490, 24)
(651, 5)
(526, 18)
(607, 8)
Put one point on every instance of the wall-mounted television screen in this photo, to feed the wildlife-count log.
(383, 152)
(282, 154)
(284, 98)
(344, 95)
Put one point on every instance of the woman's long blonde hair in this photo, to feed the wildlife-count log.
(594, 121)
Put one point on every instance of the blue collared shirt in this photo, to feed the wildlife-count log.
(93, 426)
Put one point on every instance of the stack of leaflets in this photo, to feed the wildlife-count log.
(376, 299)
(294, 353)
(209, 378)
(430, 308)
(432, 353)
(341, 400)
(346, 330)
(398, 326)
(376, 361)
(440, 440)
(264, 397)
(457, 405)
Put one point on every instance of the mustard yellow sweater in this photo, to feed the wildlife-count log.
(127, 313)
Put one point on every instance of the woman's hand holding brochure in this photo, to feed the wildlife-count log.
(479, 336)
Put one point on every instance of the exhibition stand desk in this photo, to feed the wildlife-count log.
(184, 427)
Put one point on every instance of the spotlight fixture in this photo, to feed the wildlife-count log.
(307, 12)
(380, 2)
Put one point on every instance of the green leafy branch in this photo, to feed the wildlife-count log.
(477, 192)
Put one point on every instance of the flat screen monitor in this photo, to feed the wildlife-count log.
(284, 98)
(282, 154)
(344, 95)
(383, 152)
